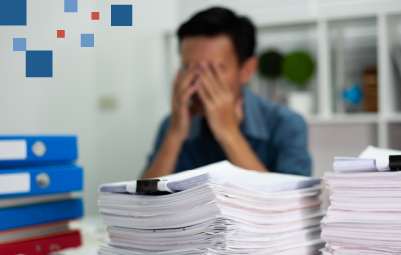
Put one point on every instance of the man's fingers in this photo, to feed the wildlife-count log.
(185, 93)
(207, 88)
(206, 70)
(180, 76)
(209, 84)
(183, 78)
(212, 81)
(218, 73)
(177, 79)
(203, 94)
(238, 110)
(188, 92)
(186, 81)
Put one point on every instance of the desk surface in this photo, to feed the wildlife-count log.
(93, 234)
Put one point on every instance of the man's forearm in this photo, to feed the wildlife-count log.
(240, 153)
(166, 159)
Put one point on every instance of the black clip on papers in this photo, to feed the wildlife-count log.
(394, 162)
(149, 187)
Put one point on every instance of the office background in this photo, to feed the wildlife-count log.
(114, 95)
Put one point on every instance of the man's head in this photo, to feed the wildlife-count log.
(219, 36)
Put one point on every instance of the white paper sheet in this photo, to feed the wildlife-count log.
(372, 152)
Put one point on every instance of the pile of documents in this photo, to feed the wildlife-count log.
(217, 209)
(37, 178)
(364, 216)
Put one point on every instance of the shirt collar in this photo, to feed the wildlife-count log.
(253, 126)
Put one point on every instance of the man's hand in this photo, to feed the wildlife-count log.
(185, 85)
(223, 111)
(224, 115)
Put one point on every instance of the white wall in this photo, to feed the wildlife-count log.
(131, 66)
(127, 62)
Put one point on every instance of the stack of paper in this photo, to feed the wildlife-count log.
(364, 216)
(218, 209)
(372, 159)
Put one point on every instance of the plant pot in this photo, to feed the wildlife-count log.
(300, 102)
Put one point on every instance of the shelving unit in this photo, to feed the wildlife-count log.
(341, 44)
(285, 39)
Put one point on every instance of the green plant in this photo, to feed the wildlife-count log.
(270, 64)
(298, 67)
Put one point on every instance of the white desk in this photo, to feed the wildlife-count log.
(93, 234)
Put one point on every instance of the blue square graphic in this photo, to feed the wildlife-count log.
(87, 40)
(39, 63)
(121, 15)
(12, 12)
(19, 44)
(70, 5)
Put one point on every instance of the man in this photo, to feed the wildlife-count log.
(214, 117)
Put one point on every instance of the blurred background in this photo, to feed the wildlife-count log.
(114, 95)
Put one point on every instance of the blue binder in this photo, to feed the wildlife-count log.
(41, 180)
(17, 151)
(29, 215)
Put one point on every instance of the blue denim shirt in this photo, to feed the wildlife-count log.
(276, 134)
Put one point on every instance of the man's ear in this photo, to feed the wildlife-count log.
(247, 69)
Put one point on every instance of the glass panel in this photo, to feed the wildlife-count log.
(394, 33)
(353, 46)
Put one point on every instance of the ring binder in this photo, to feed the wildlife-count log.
(21, 151)
(29, 181)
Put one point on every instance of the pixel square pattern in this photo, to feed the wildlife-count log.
(19, 44)
(13, 12)
(95, 15)
(39, 63)
(70, 5)
(87, 40)
(121, 15)
(60, 33)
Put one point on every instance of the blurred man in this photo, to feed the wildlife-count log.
(214, 117)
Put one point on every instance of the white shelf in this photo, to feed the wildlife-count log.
(357, 118)
(394, 118)
(353, 118)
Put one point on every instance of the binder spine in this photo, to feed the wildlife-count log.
(30, 215)
(44, 245)
(18, 151)
(41, 180)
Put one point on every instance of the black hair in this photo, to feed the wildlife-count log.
(215, 21)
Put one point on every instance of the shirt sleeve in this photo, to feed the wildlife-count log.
(292, 156)
(159, 139)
